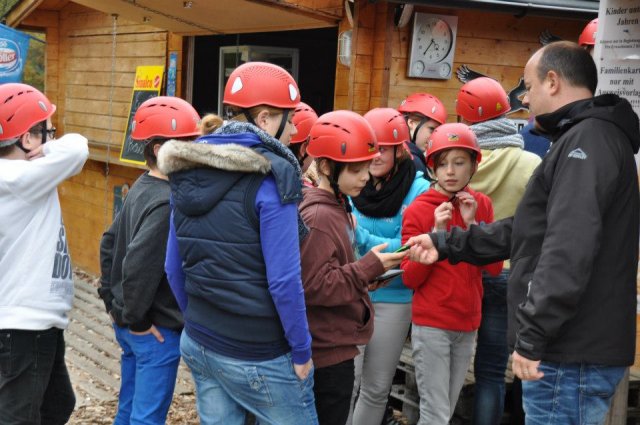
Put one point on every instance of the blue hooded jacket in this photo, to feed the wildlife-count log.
(233, 255)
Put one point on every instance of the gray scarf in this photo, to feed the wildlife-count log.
(498, 133)
(275, 146)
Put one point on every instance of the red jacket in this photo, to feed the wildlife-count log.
(446, 296)
(339, 310)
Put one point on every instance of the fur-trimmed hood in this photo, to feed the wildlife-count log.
(177, 156)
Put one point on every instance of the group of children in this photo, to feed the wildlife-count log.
(280, 227)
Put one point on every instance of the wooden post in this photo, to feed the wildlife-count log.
(618, 411)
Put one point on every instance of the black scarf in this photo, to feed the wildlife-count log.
(387, 201)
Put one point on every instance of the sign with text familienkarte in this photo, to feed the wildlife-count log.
(147, 84)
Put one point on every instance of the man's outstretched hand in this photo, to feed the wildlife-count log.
(422, 249)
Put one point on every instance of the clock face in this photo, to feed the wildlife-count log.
(433, 43)
(433, 39)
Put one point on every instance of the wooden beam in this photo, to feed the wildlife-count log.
(302, 10)
(21, 11)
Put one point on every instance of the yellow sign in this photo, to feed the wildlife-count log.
(147, 84)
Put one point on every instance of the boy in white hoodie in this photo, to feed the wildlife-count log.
(36, 286)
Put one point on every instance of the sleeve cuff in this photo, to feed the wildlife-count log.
(529, 350)
(141, 326)
(301, 356)
(439, 240)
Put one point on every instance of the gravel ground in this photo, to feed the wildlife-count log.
(182, 412)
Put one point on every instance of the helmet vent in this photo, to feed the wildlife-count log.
(293, 92)
(237, 85)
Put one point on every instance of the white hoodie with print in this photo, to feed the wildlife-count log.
(36, 286)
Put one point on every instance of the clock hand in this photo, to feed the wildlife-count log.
(425, 50)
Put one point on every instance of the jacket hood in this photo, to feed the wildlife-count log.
(202, 173)
(497, 165)
(435, 198)
(221, 152)
(607, 107)
(314, 195)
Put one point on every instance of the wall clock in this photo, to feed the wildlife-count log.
(433, 44)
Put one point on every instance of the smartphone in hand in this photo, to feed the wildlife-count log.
(389, 274)
(403, 248)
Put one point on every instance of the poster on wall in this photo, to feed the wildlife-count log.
(172, 73)
(617, 51)
(14, 48)
(147, 84)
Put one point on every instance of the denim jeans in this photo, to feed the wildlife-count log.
(148, 370)
(269, 389)
(34, 381)
(570, 394)
(492, 353)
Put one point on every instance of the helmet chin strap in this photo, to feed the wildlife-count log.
(418, 127)
(283, 123)
(22, 148)
(248, 116)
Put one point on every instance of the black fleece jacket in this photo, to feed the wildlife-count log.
(133, 284)
(573, 241)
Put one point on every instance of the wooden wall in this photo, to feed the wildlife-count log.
(492, 43)
(87, 209)
(93, 102)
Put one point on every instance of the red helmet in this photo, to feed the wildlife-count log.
(303, 119)
(343, 136)
(482, 99)
(389, 126)
(588, 35)
(452, 136)
(425, 104)
(21, 107)
(260, 83)
(165, 116)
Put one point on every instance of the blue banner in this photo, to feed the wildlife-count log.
(14, 46)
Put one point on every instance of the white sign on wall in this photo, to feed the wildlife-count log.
(617, 50)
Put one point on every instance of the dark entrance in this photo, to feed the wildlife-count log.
(316, 71)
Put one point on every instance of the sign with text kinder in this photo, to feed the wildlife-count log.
(617, 50)
(14, 47)
(147, 84)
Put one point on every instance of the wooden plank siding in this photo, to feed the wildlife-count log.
(94, 103)
(97, 81)
(87, 208)
(499, 47)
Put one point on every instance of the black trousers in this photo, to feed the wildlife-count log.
(35, 388)
(332, 388)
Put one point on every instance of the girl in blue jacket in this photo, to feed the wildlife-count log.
(233, 258)
(394, 184)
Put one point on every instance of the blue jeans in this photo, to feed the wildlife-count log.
(570, 394)
(149, 370)
(492, 353)
(269, 389)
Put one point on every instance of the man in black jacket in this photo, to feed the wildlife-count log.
(573, 244)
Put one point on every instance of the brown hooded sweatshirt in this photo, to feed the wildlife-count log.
(339, 310)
